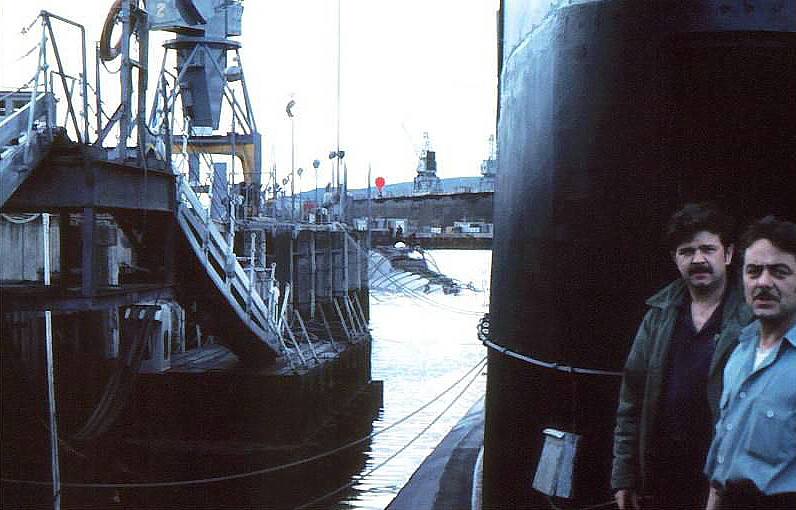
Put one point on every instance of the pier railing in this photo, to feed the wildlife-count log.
(229, 277)
(23, 141)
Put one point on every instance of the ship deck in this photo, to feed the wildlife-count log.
(217, 358)
(450, 475)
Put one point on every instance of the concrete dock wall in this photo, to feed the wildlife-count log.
(429, 210)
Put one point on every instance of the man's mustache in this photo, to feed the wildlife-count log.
(764, 293)
(700, 268)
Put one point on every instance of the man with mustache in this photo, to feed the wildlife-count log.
(672, 377)
(752, 459)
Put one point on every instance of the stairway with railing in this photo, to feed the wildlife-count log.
(262, 332)
(255, 327)
(251, 326)
(25, 138)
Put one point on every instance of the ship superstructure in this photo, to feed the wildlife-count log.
(139, 261)
(426, 180)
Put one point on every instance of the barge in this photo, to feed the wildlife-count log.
(168, 336)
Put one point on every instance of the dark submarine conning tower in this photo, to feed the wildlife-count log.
(612, 114)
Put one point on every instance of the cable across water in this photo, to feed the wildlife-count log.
(222, 478)
(404, 447)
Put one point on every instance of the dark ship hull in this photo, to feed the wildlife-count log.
(613, 114)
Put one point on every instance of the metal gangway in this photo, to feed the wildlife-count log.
(215, 254)
(28, 134)
(25, 137)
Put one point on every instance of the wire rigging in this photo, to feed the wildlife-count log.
(201, 481)
(27, 28)
(18, 89)
(485, 337)
(394, 277)
(29, 52)
(409, 292)
(403, 448)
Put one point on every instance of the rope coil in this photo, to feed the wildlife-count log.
(19, 219)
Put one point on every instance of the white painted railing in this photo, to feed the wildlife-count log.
(21, 145)
(229, 277)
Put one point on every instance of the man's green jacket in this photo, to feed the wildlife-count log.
(644, 371)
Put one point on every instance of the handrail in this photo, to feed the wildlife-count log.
(17, 123)
(21, 146)
(217, 280)
(241, 279)
(207, 242)
(46, 15)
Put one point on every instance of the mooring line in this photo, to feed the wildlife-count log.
(200, 481)
(400, 450)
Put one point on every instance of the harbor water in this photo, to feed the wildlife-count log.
(426, 352)
(423, 345)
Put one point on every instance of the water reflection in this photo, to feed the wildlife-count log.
(420, 347)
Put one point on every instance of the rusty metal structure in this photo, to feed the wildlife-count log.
(138, 252)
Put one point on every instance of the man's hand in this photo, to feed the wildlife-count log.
(714, 499)
(627, 499)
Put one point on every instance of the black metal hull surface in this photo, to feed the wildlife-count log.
(612, 114)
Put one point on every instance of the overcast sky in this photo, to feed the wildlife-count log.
(406, 67)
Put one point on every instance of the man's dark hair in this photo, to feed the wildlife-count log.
(695, 218)
(782, 234)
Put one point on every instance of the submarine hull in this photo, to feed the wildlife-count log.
(612, 115)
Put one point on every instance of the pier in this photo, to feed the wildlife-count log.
(155, 310)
